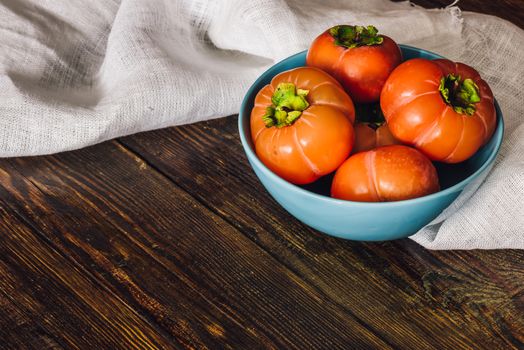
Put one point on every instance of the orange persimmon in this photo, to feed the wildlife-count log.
(388, 173)
(444, 109)
(359, 57)
(369, 136)
(302, 124)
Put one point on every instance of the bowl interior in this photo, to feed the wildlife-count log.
(450, 175)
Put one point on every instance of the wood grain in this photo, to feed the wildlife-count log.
(17, 329)
(427, 282)
(183, 268)
(53, 304)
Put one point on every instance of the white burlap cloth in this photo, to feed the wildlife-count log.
(76, 72)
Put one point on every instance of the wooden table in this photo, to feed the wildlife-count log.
(166, 239)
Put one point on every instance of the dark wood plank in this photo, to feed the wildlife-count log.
(17, 329)
(408, 294)
(182, 267)
(511, 10)
(49, 303)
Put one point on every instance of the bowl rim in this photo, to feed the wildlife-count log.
(251, 155)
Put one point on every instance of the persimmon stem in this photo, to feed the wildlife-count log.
(355, 36)
(288, 102)
(460, 94)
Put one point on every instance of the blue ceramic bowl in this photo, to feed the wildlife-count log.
(312, 205)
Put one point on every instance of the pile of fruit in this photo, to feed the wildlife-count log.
(304, 124)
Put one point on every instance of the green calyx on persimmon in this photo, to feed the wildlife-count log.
(354, 36)
(462, 95)
(288, 104)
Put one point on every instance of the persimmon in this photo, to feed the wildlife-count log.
(389, 173)
(370, 135)
(302, 124)
(359, 57)
(444, 109)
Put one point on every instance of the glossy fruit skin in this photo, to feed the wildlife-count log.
(362, 70)
(389, 173)
(315, 144)
(368, 138)
(418, 115)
